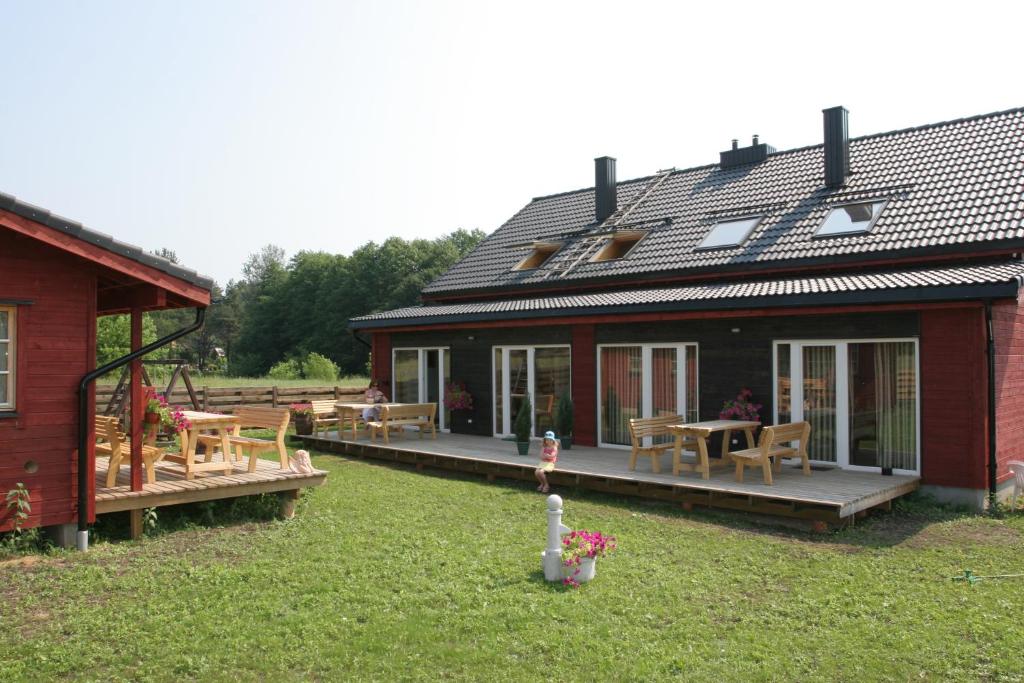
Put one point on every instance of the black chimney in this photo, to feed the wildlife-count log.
(738, 156)
(604, 188)
(837, 147)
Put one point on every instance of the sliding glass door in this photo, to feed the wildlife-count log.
(644, 380)
(861, 399)
(420, 376)
(542, 372)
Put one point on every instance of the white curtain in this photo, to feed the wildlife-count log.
(896, 404)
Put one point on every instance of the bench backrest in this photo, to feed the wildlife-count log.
(412, 410)
(267, 418)
(640, 427)
(325, 407)
(791, 431)
(107, 430)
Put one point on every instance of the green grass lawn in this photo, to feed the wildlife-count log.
(389, 574)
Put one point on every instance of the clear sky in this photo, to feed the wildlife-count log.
(215, 127)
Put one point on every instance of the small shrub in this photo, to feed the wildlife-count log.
(319, 367)
(286, 369)
(523, 425)
(564, 415)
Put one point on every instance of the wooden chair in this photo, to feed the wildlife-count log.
(1017, 469)
(398, 417)
(770, 446)
(545, 409)
(641, 428)
(325, 414)
(113, 442)
(254, 417)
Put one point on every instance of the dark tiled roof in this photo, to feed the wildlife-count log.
(1000, 279)
(79, 231)
(950, 186)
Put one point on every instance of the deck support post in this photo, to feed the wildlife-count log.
(135, 519)
(288, 500)
(134, 429)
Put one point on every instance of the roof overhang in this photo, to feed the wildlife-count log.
(924, 286)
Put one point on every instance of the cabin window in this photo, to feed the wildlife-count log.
(644, 380)
(7, 331)
(538, 257)
(619, 246)
(850, 219)
(420, 375)
(730, 233)
(860, 397)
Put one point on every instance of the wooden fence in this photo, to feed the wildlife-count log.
(222, 399)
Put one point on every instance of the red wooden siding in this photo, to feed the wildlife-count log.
(380, 358)
(584, 385)
(55, 347)
(1008, 325)
(954, 398)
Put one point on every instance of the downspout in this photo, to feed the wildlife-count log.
(993, 463)
(355, 335)
(84, 419)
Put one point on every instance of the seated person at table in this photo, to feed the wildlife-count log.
(373, 395)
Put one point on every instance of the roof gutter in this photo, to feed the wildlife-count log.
(84, 421)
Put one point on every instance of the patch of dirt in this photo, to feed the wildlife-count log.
(27, 561)
(963, 533)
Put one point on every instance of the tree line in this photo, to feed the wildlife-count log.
(283, 312)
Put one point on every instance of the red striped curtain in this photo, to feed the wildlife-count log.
(621, 376)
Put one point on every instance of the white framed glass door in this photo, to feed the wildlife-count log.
(419, 375)
(542, 372)
(643, 380)
(860, 397)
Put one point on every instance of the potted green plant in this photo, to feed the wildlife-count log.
(564, 420)
(524, 425)
(302, 417)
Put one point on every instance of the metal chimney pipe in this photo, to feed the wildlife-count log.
(837, 147)
(605, 199)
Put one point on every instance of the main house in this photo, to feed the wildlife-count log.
(869, 286)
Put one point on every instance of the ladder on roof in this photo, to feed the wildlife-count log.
(622, 213)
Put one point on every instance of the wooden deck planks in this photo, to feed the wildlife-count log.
(172, 488)
(845, 492)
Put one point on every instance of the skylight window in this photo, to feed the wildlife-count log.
(850, 219)
(731, 233)
(618, 246)
(540, 255)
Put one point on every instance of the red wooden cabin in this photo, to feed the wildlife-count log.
(56, 277)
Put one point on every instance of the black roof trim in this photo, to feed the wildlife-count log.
(99, 239)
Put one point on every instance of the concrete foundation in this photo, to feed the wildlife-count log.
(975, 499)
(62, 535)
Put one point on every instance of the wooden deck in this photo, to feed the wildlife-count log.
(172, 488)
(831, 495)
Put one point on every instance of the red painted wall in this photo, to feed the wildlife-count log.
(584, 385)
(55, 348)
(1008, 326)
(380, 358)
(954, 398)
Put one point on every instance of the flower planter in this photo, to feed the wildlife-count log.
(566, 442)
(587, 568)
(523, 447)
(303, 424)
(151, 418)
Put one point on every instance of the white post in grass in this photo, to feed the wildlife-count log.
(551, 558)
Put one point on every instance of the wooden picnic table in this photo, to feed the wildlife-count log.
(353, 412)
(200, 421)
(700, 431)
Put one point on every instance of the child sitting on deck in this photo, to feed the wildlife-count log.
(548, 457)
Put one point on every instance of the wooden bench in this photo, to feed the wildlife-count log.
(770, 446)
(325, 414)
(114, 443)
(254, 417)
(642, 428)
(400, 416)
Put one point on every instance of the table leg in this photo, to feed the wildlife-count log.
(726, 438)
(677, 453)
(225, 449)
(705, 464)
(750, 437)
(190, 453)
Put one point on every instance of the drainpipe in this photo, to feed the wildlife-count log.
(992, 461)
(84, 419)
(355, 335)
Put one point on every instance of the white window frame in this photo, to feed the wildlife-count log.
(506, 421)
(10, 376)
(421, 377)
(647, 380)
(818, 234)
(796, 393)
